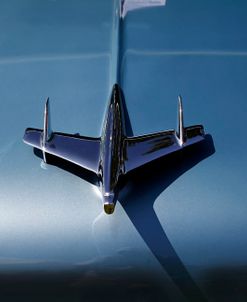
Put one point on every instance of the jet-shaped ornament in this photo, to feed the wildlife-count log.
(114, 153)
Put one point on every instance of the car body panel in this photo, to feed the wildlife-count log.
(191, 214)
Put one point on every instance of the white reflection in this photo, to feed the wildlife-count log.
(29, 59)
(97, 191)
(43, 165)
(94, 231)
(185, 53)
(129, 5)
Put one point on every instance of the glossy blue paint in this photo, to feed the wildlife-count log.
(198, 50)
(50, 218)
(44, 54)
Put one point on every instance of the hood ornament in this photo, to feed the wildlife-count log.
(113, 154)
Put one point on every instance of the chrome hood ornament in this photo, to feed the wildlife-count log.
(113, 154)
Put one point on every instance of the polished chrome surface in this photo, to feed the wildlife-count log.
(114, 154)
(129, 5)
(111, 158)
(180, 132)
(47, 132)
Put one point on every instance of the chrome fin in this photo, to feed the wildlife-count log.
(80, 150)
(140, 150)
(47, 132)
(180, 129)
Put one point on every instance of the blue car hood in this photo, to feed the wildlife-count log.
(183, 217)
